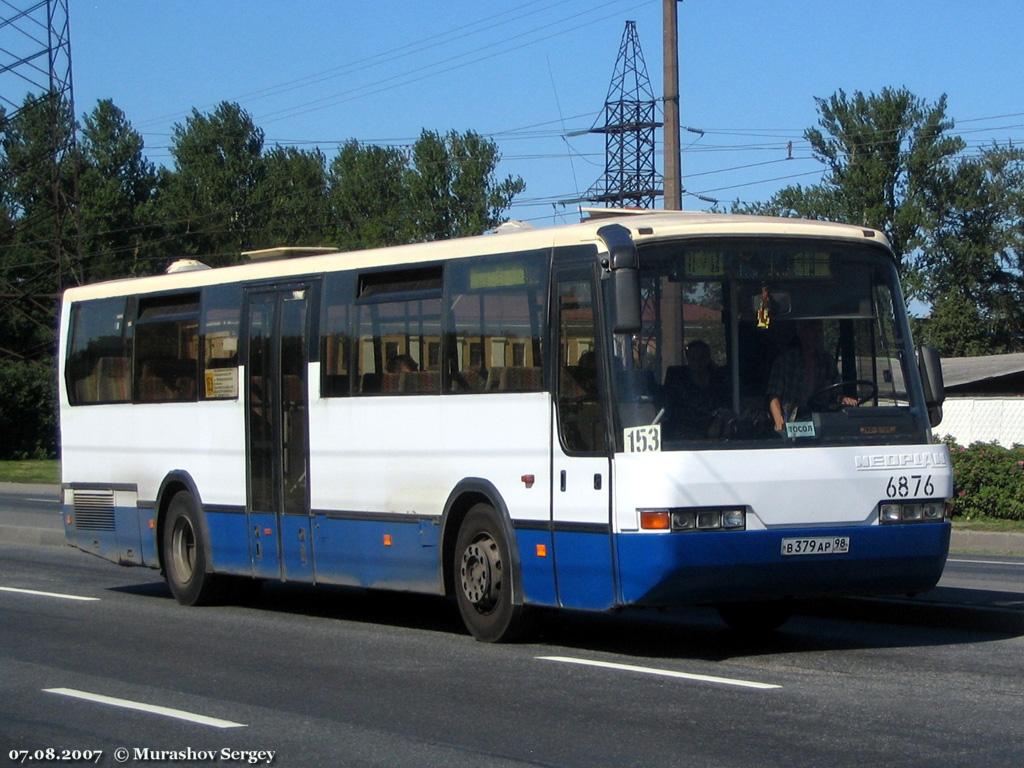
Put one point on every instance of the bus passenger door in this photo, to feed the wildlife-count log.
(580, 511)
(277, 428)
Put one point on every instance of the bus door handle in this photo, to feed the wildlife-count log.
(563, 480)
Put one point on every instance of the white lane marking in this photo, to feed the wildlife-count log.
(47, 594)
(178, 714)
(985, 562)
(660, 672)
(54, 500)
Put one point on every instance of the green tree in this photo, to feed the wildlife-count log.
(954, 221)
(884, 154)
(445, 187)
(116, 187)
(369, 198)
(973, 253)
(37, 253)
(27, 409)
(208, 201)
(291, 199)
(453, 188)
(955, 327)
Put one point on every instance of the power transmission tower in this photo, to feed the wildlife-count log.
(629, 178)
(35, 56)
(35, 74)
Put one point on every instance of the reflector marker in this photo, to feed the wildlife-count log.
(48, 594)
(661, 672)
(177, 714)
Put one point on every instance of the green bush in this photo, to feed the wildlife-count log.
(28, 418)
(989, 480)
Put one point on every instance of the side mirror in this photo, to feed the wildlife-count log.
(623, 264)
(930, 366)
(626, 286)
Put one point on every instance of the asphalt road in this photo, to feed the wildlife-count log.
(350, 678)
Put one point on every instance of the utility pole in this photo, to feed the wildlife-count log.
(673, 160)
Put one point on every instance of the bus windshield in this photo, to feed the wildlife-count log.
(780, 343)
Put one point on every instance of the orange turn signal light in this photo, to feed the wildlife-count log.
(387, 539)
(655, 519)
(542, 550)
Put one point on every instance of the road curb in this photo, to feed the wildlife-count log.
(986, 542)
(24, 534)
(32, 489)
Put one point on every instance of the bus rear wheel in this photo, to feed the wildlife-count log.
(483, 578)
(185, 566)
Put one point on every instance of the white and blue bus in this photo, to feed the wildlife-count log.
(626, 411)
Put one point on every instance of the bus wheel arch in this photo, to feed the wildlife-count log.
(172, 484)
(476, 504)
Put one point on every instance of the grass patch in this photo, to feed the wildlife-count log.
(30, 471)
(990, 524)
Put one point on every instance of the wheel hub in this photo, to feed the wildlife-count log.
(481, 573)
(183, 546)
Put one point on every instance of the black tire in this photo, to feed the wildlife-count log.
(484, 578)
(756, 618)
(185, 567)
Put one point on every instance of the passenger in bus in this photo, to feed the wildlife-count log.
(585, 374)
(697, 391)
(800, 373)
(402, 364)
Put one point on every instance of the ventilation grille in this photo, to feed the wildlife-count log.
(94, 510)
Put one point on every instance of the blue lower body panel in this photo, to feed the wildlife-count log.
(536, 566)
(586, 574)
(229, 542)
(123, 536)
(380, 554)
(712, 567)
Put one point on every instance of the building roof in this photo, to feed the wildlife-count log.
(962, 372)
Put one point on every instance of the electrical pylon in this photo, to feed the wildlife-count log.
(35, 74)
(630, 178)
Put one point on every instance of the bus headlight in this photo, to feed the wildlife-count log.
(911, 511)
(708, 521)
(703, 519)
(684, 520)
(734, 518)
(889, 513)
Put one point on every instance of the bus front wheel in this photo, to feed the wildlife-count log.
(185, 565)
(483, 578)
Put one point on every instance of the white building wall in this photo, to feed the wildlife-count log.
(986, 419)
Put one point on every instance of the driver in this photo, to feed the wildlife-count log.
(800, 372)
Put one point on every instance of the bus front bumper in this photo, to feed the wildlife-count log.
(715, 567)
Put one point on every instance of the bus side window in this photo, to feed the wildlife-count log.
(222, 308)
(335, 338)
(580, 413)
(496, 306)
(167, 348)
(392, 333)
(99, 353)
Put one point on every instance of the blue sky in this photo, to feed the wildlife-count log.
(525, 72)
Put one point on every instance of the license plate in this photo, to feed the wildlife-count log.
(816, 545)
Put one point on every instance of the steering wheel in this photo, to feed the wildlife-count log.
(870, 387)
